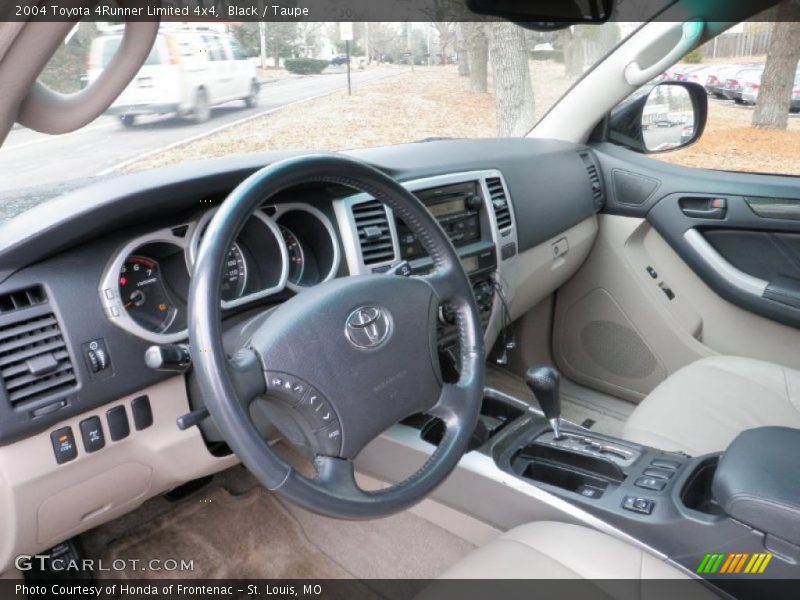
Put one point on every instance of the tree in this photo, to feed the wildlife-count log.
(461, 51)
(775, 94)
(512, 79)
(478, 52)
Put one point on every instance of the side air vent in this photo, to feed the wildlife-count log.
(598, 197)
(497, 196)
(374, 235)
(26, 298)
(34, 362)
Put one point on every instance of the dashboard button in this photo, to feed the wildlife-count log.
(639, 505)
(92, 434)
(329, 440)
(142, 413)
(64, 445)
(659, 473)
(118, 426)
(650, 483)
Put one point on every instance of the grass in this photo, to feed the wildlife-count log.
(436, 102)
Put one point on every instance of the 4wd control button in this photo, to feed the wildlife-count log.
(650, 483)
(92, 434)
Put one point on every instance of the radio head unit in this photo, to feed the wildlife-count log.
(457, 209)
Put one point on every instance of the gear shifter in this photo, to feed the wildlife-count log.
(544, 383)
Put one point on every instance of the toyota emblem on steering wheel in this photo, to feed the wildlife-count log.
(367, 327)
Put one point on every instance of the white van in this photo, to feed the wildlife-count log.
(188, 71)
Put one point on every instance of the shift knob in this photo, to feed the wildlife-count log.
(544, 383)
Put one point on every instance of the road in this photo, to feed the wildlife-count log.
(28, 158)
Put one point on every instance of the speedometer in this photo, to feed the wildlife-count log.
(143, 295)
(297, 259)
(234, 277)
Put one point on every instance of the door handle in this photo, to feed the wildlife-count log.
(704, 208)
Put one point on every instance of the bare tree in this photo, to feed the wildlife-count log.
(512, 79)
(461, 50)
(478, 52)
(774, 97)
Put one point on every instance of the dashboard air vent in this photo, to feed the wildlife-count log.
(374, 235)
(497, 196)
(31, 296)
(594, 180)
(34, 361)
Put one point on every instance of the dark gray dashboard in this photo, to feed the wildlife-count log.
(65, 245)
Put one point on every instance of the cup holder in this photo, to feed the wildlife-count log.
(495, 416)
(696, 494)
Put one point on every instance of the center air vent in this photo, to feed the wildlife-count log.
(25, 298)
(34, 361)
(374, 236)
(497, 196)
(598, 198)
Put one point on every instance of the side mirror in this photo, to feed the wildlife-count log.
(661, 118)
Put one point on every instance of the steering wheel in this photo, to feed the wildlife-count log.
(340, 362)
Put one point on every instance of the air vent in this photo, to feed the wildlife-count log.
(374, 235)
(594, 180)
(26, 298)
(497, 195)
(34, 362)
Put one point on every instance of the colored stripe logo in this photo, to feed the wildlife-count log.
(734, 563)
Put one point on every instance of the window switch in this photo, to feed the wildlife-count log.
(64, 445)
(118, 426)
(92, 434)
(638, 505)
(650, 483)
(142, 413)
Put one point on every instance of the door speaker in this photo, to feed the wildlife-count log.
(600, 342)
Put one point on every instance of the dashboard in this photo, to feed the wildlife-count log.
(93, 279)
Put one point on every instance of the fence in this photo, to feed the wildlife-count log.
(734, 45)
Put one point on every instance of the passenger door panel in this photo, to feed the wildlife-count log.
(687, 277)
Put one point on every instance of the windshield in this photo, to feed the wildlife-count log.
(221, 89)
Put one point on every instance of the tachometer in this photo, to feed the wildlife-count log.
(234, 278)
(143, 295)
(297, 259)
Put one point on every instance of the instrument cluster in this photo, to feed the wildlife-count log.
(145, 286)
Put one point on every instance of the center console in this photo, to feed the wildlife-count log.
(474, 210)
(726, 516)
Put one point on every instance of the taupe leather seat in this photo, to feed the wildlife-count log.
(703, 406)
(552, 550)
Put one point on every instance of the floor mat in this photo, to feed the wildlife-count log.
(580, 405)
(248, 536)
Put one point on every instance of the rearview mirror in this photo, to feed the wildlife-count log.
(661, 118)
(545, 14)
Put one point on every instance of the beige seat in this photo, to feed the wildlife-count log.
(706, 404)
(551, 550)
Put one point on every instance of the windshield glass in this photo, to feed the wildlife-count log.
(221, 89)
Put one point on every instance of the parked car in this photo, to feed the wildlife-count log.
(734, 85)
(340, 59)
(188, 71)
(751, 89)
(715, 81)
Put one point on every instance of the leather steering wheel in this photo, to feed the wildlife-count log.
(340, 362)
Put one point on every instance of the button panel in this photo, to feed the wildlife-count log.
(118, 426)
(142, 413)
(64, 445)
(316, 410)
(92, 434)
(638, 505)
(650, 483)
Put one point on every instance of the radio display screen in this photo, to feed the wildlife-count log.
(441, 209)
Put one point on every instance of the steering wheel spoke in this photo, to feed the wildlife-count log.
(247, 375)
(337, 475)
(441, 281)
